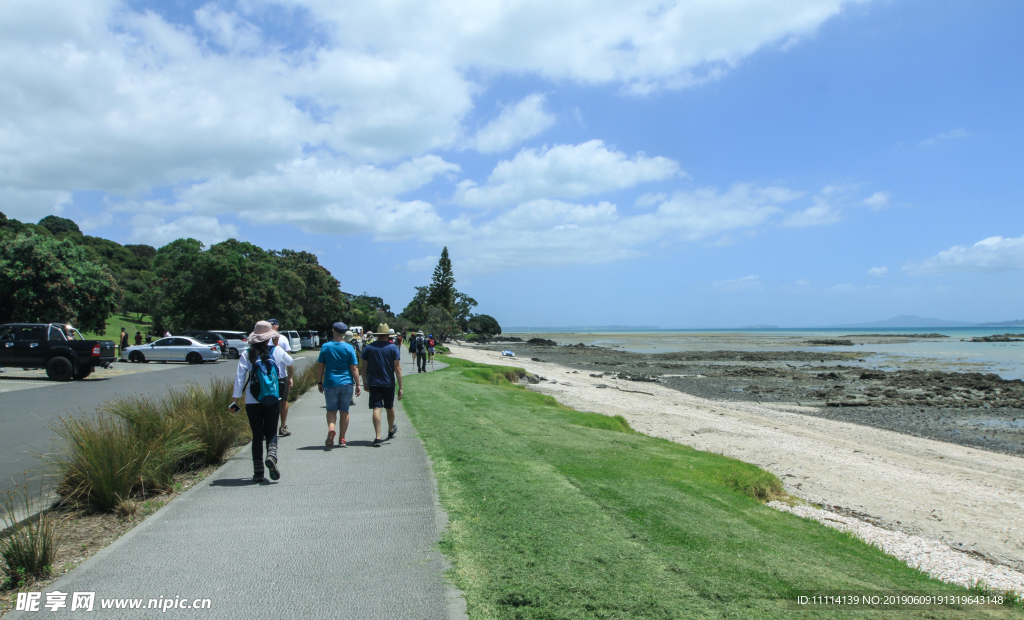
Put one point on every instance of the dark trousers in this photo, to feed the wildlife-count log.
(263, 422)
(421, 360)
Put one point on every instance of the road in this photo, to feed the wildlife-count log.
(27, 416)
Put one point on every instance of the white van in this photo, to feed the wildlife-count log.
(234, 342)
(294, 340)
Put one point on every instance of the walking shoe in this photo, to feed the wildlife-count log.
(257, 477)
(391, 433)
(342, 443)
(271, 462)
(352, 403)
(376, 442)
(284, 432)
(330, 439)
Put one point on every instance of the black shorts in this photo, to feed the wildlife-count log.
(382, 396)
(282, 388)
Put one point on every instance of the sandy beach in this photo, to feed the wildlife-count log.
(969, 499)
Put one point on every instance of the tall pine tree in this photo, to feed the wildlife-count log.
(442, 288)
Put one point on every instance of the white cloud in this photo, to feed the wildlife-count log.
(563, 171)
(424, 263)
(327, 196)
(955, 134)
(642, 45)
(877, 201)
(522, 121)
(878, 272)
(647, 200)
(154, 231)
(32, 205)
(543, 233)
(993, 254)
(746, 283)
(819, 214)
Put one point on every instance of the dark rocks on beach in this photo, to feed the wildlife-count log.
(972, 409)
(831, 342)
(626, 376)
(544, 342)
(1002, 338)
(896, 336)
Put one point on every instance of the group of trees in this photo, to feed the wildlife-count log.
(442, 310)
(51, 271)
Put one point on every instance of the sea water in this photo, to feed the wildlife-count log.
(951, 353)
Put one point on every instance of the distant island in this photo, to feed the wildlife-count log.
(906, 320)
(1017, 323)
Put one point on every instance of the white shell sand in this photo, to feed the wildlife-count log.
(927, 496)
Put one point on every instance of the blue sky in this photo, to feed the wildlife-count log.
(690, 164)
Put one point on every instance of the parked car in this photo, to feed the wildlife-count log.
(173, 349)
(293, 340)
(235, 342)
(309, 339)
(206, 338)
(58, 348)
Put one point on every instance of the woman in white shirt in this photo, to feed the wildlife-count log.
(263, 418)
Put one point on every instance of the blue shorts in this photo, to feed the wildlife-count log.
(338, 397)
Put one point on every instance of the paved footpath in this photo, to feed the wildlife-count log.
(345, 533)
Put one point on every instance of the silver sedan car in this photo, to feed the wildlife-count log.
(172, 349)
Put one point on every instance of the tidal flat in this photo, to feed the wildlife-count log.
(842, 377)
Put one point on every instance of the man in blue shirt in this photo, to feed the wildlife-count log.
(380, 368)
(337, 370)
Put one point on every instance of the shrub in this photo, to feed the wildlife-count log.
(28, 547)
(137, 444)
(100, 462)
(302, 382)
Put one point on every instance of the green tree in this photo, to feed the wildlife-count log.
(46, 279)
(320, 298)
(441, 292)
(416, 311)
(484, 324)
(58, 225)
(462, 309)
(441, 323)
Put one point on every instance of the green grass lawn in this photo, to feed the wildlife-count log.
(116, 322)
(556, 513)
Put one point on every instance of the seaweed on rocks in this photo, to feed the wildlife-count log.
(544, 342)
(831, 342)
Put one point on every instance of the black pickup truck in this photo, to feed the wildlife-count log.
(60, 349)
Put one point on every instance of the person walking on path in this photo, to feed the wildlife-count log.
(381, 367)
(421, 350)
(286, 383)
(124, 339)
(412, 347)
(257, 378)
(337, 370)
(430, 347)
(138, 338)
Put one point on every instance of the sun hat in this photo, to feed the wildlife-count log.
(349, 336)
(340, 327)
(382, 330)
(263, 332)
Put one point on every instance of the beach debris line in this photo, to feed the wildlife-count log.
(935, 558)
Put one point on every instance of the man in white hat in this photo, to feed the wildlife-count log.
(381, 369)
(281, 340)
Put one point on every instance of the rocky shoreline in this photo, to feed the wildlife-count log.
(970, 409)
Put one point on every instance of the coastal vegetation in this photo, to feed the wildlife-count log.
(556, 513)
(51, 271)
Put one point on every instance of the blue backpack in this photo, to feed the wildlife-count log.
(264, 387)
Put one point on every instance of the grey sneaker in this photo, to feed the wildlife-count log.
(393, 431)
(284, 432)
(271, 464)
